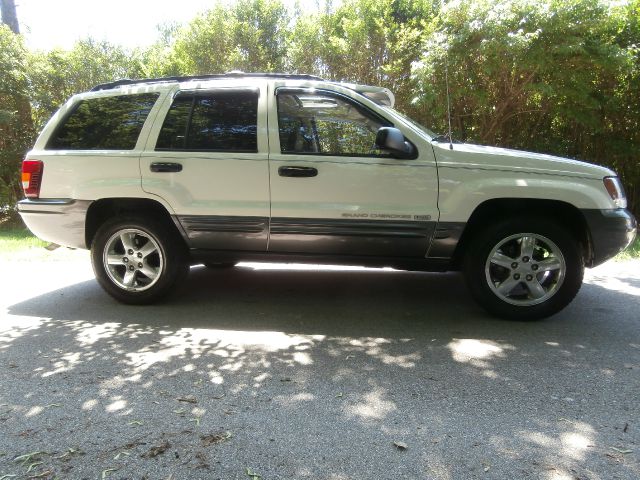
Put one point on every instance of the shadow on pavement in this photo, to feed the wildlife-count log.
(315, 374)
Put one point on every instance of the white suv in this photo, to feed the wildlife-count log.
(154, 175)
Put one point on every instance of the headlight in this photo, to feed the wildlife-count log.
(616, 192)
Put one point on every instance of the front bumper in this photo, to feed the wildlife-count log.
(611, 232)
(56, 220)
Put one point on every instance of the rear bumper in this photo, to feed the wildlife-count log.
(611, 232)
(56, 220)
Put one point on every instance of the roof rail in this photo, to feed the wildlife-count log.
(234, 74)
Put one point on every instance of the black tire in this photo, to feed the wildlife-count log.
(219, 265)
(479, 273)
(169, 260)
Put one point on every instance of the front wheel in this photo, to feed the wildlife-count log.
(524, 270)
(137, 260)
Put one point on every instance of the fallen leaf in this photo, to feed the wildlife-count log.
(253, 475)
(46, 473)
(27, 457)
(339, 395)
(197, 420)
(107, 471)
(621, 450)
(69, 452)
(34, 464)
(400, 445)
(8, 475)
(121, 453)
(157, 450)
(179, 411)
(52, 405)
(135, 422)
(188, 399)
(285, 379)
(214, 438)
(626, 428)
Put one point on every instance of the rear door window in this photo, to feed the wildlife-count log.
(213, 121)
(103, 123)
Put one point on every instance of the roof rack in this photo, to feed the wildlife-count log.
(234, 74)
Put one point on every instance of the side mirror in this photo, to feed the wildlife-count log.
(392, 140)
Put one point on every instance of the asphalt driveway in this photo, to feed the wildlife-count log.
(272, 372)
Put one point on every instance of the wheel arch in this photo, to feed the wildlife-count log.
(101, 210)
(489, 211)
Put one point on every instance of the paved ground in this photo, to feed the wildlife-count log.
(292, 374)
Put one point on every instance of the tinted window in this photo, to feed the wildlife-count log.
(104, 123)
(326, 125)
(218, 121)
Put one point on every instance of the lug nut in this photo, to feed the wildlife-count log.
(139, 254)
(514, 265)
(125, 260)
(529, 278)
(525, 259)
(534, 266)
(140, 265)
(132, 268)
(130, 252)
(516, 276)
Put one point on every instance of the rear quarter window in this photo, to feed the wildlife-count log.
(103, 123)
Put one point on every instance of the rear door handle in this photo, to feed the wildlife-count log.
(165, 167)
(297, 171)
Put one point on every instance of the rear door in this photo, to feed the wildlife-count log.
(208, 159)
(332, 192)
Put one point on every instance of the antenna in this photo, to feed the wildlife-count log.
(446, 76)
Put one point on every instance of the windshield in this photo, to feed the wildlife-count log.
(411, 122)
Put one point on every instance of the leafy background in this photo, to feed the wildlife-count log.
(553, 76)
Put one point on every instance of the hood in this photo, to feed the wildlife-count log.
(493, 158)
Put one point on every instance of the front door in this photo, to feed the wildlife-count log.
(333, 192)
(208, 162)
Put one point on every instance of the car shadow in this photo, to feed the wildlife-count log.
(351, 303)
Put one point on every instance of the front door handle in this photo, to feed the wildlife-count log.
(165, 167)
(297, 171)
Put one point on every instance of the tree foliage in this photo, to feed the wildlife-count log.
(15, 122)
(556, 76)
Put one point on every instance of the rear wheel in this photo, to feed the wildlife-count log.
(524, 269)
(137, 260)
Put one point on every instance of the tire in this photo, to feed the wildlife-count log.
(219, 265)
(148, 270)
(523, 269)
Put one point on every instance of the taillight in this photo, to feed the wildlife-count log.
(616, 191)
(31, 177)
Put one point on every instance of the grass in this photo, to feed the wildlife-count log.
(18, 243)
(632, 252)
(18, 239)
